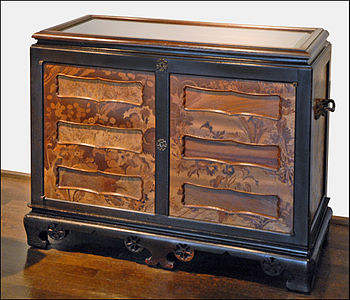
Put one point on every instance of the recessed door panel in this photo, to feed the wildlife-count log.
(99, 136)
(232, 152)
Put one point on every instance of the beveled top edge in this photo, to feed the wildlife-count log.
(173, 21)
(317, 36)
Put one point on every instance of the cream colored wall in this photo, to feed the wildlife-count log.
(19, 20)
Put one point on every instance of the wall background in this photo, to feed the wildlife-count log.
(20, 19)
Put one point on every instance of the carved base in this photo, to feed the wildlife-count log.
(300, 271)
(302, 278)
(38, 232)
(159, 255)
(160, 251)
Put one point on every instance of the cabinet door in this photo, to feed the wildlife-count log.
(99, 136)
(232, 151)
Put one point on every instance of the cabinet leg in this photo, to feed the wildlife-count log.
(159, 251)
(39, 231)
(159, 255)
(301, 278)
(36, 233)
(300, 273)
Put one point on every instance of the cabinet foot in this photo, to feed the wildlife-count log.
(159, 251)
(301, 279)
(156, 260)
(38, 232)
(300, 273)
(159, 254)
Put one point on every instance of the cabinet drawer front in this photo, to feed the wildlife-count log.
(232, 103)
(99, 136)
(232, 152)
(99, 89)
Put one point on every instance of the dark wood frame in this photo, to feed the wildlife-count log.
(299, 249)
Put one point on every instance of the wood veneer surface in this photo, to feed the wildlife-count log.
(250, 153)
(99, 120)
(104, 269)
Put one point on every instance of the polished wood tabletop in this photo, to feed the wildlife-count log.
(194, 33)
(189, 35)
(87, 267)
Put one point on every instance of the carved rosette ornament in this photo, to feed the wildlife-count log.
(132, 243)
(161, 144)
(56, 232)
(272, 266)
(184, 252)
(162, 64)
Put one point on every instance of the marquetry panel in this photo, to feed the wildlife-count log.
(231, 102)
(100, 183)
(230, 201)
(99, 89)
(99, 136)
(232, 151)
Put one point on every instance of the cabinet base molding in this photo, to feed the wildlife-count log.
(298, 271)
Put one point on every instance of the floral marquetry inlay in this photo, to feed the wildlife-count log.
(233, 141)
(99, 136)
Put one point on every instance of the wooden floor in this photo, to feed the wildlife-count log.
(81, 268)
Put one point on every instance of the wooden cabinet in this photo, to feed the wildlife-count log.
(180, 136)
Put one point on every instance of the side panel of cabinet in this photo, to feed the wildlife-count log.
(318, 138)
(99, 136)
(232, 152)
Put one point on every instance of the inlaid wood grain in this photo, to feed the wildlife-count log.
(116, 136)
(230, 152)
(223, 141)
(230, 201)
(232, 102)
(99, 89)
(99, 136)
(100, 182)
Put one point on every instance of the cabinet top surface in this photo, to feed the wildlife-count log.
(186, 35)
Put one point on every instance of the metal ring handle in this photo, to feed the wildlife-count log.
(322, 106)
(327, 107)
